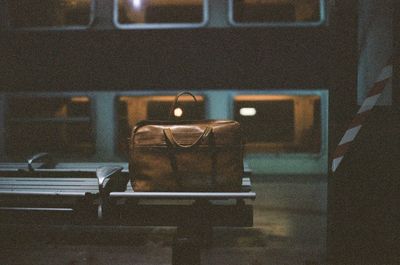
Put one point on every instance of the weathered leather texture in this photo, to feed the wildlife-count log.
(186, 156)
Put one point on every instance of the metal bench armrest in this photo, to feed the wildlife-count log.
(109, 179)
(47, 161)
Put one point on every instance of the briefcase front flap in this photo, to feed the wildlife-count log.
(186, 134)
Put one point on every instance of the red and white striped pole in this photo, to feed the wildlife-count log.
(369, 103)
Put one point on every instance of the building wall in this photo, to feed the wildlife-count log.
(375, 41)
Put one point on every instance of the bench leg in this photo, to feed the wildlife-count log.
(185, 251)
(200, 233)
(193, 233)
(205, 235)
(189, 241)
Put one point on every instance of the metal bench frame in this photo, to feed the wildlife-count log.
(109, 200)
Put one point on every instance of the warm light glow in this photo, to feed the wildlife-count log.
(137, 4)
(248, 111)
(271, 97)
(80, 99)
(178, 112)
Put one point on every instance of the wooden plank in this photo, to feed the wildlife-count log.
(52, 119)
(185, 195)
(134, 215)
(49, 180)
(72, 170)
(46, 179)
(35, 209)
(90, 165)
(61, 168)
(245, 182)
(75, 168)
(81, 166)
(38, 186)
(83, 189)
(45, 182)
(56, 185)
(49, 188)
(45, 193)
(44, 201)
(74, 165)
(71, 181)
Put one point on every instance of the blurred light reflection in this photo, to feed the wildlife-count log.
(137, 4)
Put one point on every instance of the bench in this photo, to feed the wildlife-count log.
(100, 194)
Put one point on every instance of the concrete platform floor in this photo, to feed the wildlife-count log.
(289, 229)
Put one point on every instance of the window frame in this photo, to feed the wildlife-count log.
(257, 148)
(54, 28)
(322, 21)
(119, 25)
(40, 95)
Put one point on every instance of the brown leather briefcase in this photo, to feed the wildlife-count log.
(204, 155)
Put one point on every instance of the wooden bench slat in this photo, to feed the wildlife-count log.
(16, 179)
(36, 209)
(52, 193)
(184, 195)
(49, 188)
(48, 183)
(59, 180)
(246, 182)
(70, 181)
(73, 168)
(40, 188)
(79, 186)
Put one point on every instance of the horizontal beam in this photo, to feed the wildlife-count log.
(181, 215)
(43, 193)
(185, 195)
(36, 209)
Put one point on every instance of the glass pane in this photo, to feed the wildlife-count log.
(273, 11)
(132, 109)
(262, 121)
(279, 123)
(160, 11)
(58, 125)
(49, 13)
(33, 107)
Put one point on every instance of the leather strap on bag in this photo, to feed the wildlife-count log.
(168, 134)
(213, 151)
(171, 110)
(174, 166)
(173, 143)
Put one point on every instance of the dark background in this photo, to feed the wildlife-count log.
(224, 58)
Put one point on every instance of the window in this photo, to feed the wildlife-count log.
(276, 11)
(132, 109)
(49, 13)
(59, 125)
(280, 123)
(155, 12)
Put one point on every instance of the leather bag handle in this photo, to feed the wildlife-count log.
(168, 134)
(171, 111)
